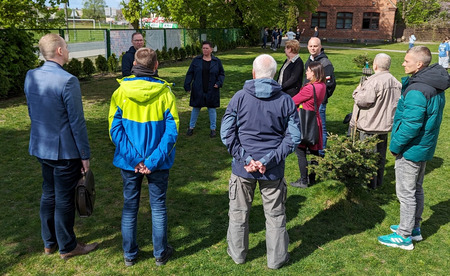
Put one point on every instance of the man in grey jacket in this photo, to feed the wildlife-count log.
(373, 112)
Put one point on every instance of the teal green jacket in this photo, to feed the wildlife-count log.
(419, 111)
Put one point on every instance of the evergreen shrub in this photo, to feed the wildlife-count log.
(88, 67)
(350, 161)
(74, 67)
(101, 64)
(112, 63)
(18, 55)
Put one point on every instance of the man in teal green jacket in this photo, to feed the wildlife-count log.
(413, 140)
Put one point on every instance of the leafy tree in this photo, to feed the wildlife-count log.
(416, 12)
(29, 13)
(132, 12)
(94, 9)
(248, 15)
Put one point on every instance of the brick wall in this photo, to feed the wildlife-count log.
(386, 9)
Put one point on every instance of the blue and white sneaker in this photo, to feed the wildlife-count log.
(415, 235)
(394, 240)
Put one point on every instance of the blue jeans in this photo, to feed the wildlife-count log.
(212, 117)
(157, 187)
(57, 209)
(323, 117)
(409, 189)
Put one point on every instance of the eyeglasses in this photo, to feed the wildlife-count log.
(138, 40)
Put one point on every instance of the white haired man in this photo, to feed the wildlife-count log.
(373, 112)
(260, 129)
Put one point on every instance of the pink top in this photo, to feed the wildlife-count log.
(306, 98)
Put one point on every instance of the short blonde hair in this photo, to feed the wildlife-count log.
(48, 45)
(146, 57)
(294, 45)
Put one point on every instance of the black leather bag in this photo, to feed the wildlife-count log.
(85, 194)
(308, 124)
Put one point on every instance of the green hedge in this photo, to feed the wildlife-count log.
(17, 57)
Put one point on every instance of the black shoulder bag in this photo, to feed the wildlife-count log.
(308, 124)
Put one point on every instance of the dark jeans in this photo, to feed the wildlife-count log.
(57, 209)
(323, 118)
(157, 187)
(303, 164)
(381, 148)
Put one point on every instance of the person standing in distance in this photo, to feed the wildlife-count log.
(414, 136)
(260, 128)
(59, 140)
(127, 60)
(203, 80)
(291, 73)
(318, 54)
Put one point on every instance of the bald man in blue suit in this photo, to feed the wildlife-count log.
(59, 140)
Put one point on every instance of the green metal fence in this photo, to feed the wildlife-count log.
(104, 43)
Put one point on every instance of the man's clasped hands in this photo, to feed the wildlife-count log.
(141, 168)
(254, 166)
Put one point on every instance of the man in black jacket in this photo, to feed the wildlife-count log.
(127, 60)
(318, 54)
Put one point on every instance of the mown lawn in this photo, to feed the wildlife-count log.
(328, 234)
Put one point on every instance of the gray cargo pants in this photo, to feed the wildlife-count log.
(409, 180)
(273, 194)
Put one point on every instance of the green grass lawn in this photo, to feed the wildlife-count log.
(328, 234)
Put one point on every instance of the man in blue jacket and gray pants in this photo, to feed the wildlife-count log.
(260, 129)
(413, 140)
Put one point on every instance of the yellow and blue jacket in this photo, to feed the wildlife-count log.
(143, 123)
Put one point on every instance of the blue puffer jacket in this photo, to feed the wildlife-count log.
(419, 114)
(260, 123)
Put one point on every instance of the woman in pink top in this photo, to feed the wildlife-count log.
(305, 99)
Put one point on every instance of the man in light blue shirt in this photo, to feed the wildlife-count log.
(444, 49)
(412, 39)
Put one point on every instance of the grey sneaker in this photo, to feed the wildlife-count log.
(299, 184)
(415, 235)
(129, 262)
(166, 256)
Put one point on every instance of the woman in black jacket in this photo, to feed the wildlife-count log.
(290, 76)
(203, 79)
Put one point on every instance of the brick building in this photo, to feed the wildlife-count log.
(351, 20)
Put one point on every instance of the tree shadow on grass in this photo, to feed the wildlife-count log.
(339, 220)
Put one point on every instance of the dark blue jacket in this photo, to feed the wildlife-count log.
(260, 123)
(419, 113)
(194, 82)
(328, 71)
(58, 127)
(127, 62)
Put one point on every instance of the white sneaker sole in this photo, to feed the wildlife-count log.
(405, 247)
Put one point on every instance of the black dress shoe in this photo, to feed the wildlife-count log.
(212, 134)
(189, 132)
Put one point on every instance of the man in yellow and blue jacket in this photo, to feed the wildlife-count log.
(144, 124)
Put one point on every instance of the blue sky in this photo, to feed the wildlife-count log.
(79, 4)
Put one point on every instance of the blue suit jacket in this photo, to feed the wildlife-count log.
(58, 128)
